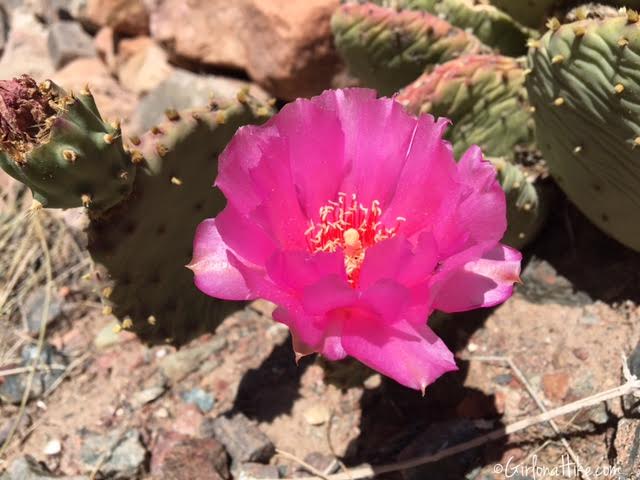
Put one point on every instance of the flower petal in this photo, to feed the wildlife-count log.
(317, 160)
(412, 355)
(380, 133)
(235, 228)
(479, 282)
(396, 259)
(214, 275)
(481, 214)
(427, 181)
(329, 293)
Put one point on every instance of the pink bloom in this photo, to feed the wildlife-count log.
(354, 218)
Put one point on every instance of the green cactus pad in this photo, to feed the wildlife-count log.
(527, 201)
(585, 86)
(72, 157)
(485, 98)
(145, 242)
(532, 13)
(387, 49)
(492, 26)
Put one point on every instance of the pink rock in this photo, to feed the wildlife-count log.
(285, 46)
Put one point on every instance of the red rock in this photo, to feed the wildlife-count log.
(285, 46)
(179, 457)
(124, 16)
(555, 385)
(112, 100)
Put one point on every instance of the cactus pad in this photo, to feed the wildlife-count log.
(145, 242)
(387, 49)
(483, 95)
(492, 26)
(527, 200)
(585, 86)
(58, 145)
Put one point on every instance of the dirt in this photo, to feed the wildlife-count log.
(565, 330)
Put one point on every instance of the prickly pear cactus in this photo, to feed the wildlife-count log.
(388, 49)
(527, 200)
(493, 27)
(532, 13)
(141, 224)
(485, 98)
(145, 242)
(585, 86)
(58, 145)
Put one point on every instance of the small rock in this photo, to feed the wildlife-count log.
(68, 41)
(373, 382)
(111, 335)
(53, 447)
(541, 283)
(181, 363)
(7, 425)
(145, 396)
(627, 447)
(178, 457)
(203, 400)
(26, 50)
(121, 453)
(581, 354)
(317, 414)
(188, 420)
(436, 437)
(324, 463)
(555, 386)
(124, 16)
(244, 441)
(503, 379)
(27, 468)
(251, 470)
(33, 306)
(13, 387)
(143, 69)
(182, 90)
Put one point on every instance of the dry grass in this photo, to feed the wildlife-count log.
(22, 262)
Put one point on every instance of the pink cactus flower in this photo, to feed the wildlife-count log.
(354, 218)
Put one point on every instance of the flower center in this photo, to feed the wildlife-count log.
(350, 226)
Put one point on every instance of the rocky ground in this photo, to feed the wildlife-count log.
(107, 406)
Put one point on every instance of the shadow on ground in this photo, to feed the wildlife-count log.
(272, 388)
